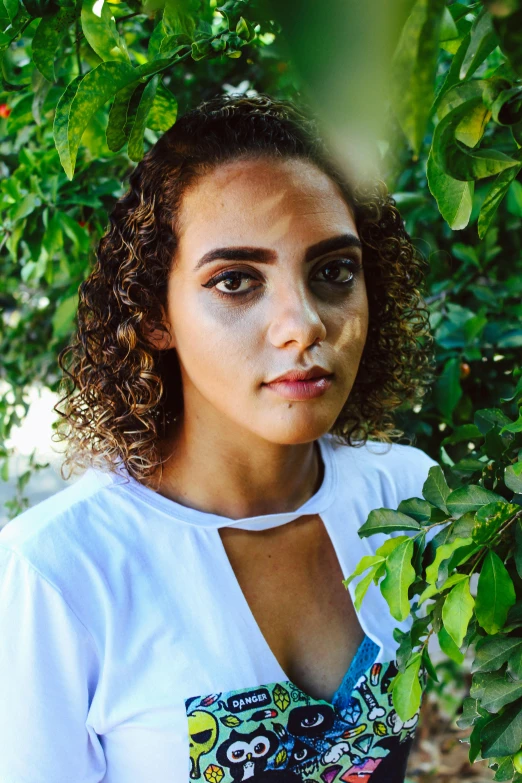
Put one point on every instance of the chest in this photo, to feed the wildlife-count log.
(292, 581)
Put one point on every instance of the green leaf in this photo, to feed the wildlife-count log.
(385, 520)
(155, 39)
(457, 611)
(362, 587)
(99, 27)
(81, 99)
(495, 194)
(230, 721)
(428, 665)
(448, 30)
(514, 618)
(407, 690)
(507, 107)
(470, 497)
(11, 7)
(505, 770)
(483, 40)
(458, 161)
(509, 33)
(513, 426)
(63, 318)
(368, 561)
(400, 575)
(470, 713)
(475, 736)
(417, 508)
(495, 594)
(414, 67)
(513, 477)
(135, 148)
(503, 735)
(518, 547)
(448, 646)
(432, 589)
(389, 545)
(164, 111)
(245, 30)
(452, 75)
(180, 18)
(490, 518)
(500, 691)
(487, 418)
(514, 668)
(435, 489)
(492, 652)
(471, 127)
(47, 38)
(444, 552)
(462, 433)
(447, 391)
(121, 115)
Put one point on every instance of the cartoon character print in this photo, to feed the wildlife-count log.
(278, 734)
(203, 733)
(246, 756)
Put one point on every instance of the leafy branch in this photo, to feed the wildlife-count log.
(480, 536)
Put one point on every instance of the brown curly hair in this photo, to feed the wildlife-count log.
(121, 393)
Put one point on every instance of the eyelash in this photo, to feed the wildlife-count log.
(348, 263)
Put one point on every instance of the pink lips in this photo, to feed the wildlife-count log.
(301, 390)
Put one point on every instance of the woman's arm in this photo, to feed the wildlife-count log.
(48, 674)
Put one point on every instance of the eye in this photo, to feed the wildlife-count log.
(341, 271)
(231, 280)
(312, 721)
(202, 736)
(237, 751)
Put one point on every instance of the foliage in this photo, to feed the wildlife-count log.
(462, 558)
(87, 87)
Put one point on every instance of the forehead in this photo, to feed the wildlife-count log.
(265, 202)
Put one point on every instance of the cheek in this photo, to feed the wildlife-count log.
(212, 338)
(348, 329)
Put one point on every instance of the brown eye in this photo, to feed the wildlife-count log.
(231, 280)
(340, 271)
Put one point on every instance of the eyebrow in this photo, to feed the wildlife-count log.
(265, 256)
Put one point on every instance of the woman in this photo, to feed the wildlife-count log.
(179, 613)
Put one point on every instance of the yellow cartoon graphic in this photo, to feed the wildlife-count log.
(203, 733)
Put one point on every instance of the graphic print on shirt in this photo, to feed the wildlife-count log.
(275, 733)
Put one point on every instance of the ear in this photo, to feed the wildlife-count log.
(159, 340)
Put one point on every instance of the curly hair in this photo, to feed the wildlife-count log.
(120, 393)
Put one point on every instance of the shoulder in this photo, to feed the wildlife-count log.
(53, 536)
(56, 512)
(385, 472)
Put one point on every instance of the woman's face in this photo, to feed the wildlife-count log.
(284, 302)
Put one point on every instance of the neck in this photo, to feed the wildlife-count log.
(236, 474)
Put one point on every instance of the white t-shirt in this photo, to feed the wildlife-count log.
(129, 654)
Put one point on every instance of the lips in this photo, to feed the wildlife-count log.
(306, 389)
(302, 375)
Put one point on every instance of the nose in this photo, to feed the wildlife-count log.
(294, 317)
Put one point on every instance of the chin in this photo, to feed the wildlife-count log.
(294, 432)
